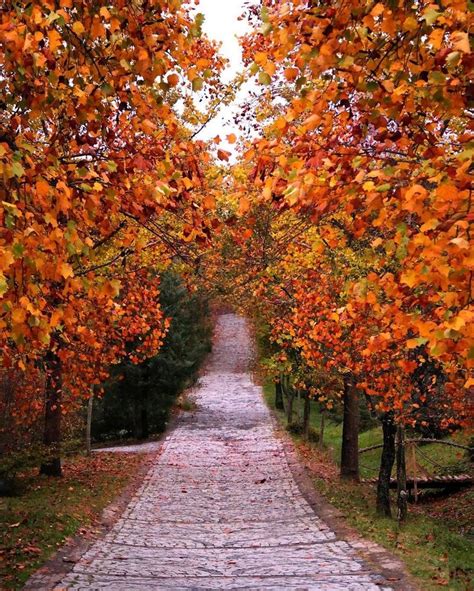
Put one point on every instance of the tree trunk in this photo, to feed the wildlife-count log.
(350, 433)
(386, 465)
(306, 415)
(402, 494)
(144, 421)
(90, 405)
(52, 424)
(289, 406)
(321, 429)
(278, 396)
(299, 417)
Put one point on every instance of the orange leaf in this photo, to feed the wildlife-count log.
(244, 205)
(223, 155)
(54, 39)
(42, 188)
(209, 202)
(172, 79)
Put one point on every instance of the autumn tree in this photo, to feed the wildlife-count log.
(366, 135)
(92, 156)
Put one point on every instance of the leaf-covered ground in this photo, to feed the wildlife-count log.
(46, 511)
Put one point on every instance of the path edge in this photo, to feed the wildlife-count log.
(391, 570)
(63, 561)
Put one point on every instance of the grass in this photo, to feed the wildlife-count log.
(427, 458)
(46, 511)
(435, 542)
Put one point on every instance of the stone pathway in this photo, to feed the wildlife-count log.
(220, 508)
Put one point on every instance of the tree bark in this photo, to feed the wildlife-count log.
(52, 424)
(402, 504)
(306, 415)
(350, 433)
(90, 405)
(290, 397)
(386, 465)
(279, 396)
(144, 421)
(321, 429)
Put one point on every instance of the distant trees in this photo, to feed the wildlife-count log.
(138, 397)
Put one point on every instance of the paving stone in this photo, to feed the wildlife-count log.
(219, 509)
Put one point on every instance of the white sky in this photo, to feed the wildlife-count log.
(222, 24)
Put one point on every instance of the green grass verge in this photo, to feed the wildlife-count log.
(35, 522)
(431, 458)
(434, 543)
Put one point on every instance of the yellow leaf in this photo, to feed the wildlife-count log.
(410, 278)
(460, 41)
(368, 186)
(18, 315)
(65, 270)
(78, 28)
(231, 138)
(457, 323)
(430, 225)
(6, 259)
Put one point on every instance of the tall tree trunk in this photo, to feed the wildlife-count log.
(321, 429)
(52, 424)
(386, 464)
(90, 405)
(350, 432)
(144, 416)
(289, 405)
(306, 415)
(278, 396)
(402, 504)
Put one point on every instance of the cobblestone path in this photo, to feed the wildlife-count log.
(220, 508)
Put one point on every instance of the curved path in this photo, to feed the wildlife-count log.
(220, 508)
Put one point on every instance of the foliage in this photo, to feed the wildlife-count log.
(138, 398)
(102, 183)
(352, 210)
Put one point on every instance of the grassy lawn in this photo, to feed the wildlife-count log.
(441, 455)
(436, 542)
(46, 511)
